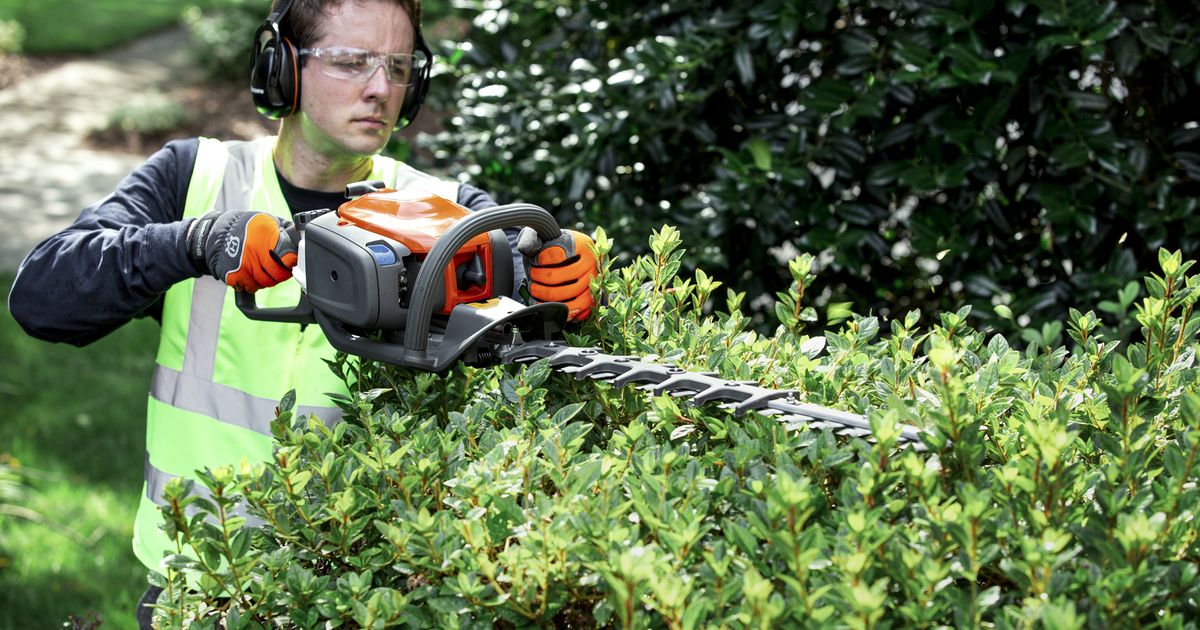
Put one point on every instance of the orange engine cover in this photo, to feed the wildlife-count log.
(417, 219)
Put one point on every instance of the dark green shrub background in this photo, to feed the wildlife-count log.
(931, 154)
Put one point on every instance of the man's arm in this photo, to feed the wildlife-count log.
(473, 198)
(115, 261)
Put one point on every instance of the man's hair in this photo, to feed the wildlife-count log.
(302, 24)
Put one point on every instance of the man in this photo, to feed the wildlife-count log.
(201, 214)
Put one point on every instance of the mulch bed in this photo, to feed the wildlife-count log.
(14, 68)
(214, 110)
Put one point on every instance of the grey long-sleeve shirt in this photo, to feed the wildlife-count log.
(115, 262)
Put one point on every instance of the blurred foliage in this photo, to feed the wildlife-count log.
(72, 439)
(222, 34)
(13, 492)
(1016, 156)
(12, 37)
(85, 26)
(146, 114)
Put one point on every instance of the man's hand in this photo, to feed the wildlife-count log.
(561, 269)
(245, 250)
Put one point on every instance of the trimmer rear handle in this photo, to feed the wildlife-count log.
(289, 241)
(301, 313)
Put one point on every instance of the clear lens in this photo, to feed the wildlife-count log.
(358, 65)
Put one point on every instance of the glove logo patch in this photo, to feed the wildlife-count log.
(233, 245)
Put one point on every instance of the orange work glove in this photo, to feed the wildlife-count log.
(560, 270)
(246, 250)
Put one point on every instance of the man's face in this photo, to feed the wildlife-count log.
(345, 117)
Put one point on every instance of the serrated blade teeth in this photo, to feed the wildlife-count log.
(738, 397)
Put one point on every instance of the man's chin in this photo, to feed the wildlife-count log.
(366, 145)
(348, 141)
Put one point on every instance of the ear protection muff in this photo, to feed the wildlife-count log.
(275, 72)
(415, 94)
(274, 69)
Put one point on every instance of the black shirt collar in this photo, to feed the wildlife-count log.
(302, 199)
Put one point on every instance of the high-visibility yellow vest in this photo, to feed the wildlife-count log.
(218, 375)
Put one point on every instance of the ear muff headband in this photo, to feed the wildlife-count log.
(274, 68)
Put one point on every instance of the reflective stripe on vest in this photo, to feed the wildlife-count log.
(204, 397)
(218, 375)
(156, 482)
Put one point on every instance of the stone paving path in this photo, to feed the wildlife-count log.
(47, 175)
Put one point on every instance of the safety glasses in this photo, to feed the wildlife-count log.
(356, 64)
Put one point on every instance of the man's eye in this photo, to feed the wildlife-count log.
(400, 67)
(352, 62)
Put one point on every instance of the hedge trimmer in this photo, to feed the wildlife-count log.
(412, 279)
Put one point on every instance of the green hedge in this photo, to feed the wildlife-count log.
(222, 36)
(1059, 486)
(1029, 154)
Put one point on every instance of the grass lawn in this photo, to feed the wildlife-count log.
(87, 26)
(76, 416)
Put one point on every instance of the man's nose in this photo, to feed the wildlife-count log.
(378, 82)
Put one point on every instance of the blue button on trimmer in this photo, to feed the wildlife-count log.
(382, 253)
